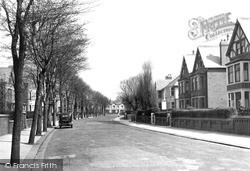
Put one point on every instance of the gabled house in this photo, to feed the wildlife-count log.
(184, 81)
(172, 94)
(202, 82)
(208, 78)
(115, 108)
(160, 86)
(238, 80)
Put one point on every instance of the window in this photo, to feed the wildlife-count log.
(202, 102)
(196, 102)
(159, 105)
(172, 91)
(196, 83)
(159, 94)
(187, 103)
(202, 82)
(247, 104)
(193, 84)
(230, 74)
(181, 89)
(246, 77)
(173, 105)
(186, 86)
(181, 104)
(240, 47)
(237, 73)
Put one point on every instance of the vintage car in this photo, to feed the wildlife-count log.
(65, 119)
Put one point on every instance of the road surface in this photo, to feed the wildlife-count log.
(102, 144)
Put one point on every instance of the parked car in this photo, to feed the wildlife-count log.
(65, 119)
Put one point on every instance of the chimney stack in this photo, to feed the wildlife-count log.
(168, 77)
(223, 50)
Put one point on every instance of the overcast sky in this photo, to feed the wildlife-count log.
(126, 33)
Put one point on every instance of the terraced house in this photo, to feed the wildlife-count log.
(238, 80)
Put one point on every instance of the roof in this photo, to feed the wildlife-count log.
(174, 82)
(210, 56)
(189, 58)
(245, 25)
(160, 84)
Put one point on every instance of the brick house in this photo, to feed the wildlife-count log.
(205, 85)
(184, 81)
(238, 80)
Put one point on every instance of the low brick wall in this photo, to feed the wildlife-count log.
(237, 125)
(4, 123)
(11, 122)
(164, 121)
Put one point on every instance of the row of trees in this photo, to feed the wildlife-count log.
(48, 45)
(138, 92)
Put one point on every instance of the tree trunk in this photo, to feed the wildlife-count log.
(54, 112)
(49, 116)
(45, 114)
(15, 148)
(36, 113)
(75, 108)
(40, 117)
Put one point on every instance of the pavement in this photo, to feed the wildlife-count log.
(27, 151)
(234, 140)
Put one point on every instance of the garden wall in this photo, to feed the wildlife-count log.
(4, 123)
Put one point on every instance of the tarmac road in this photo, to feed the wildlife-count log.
(102, 144)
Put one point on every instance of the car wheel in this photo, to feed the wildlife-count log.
(60, 126)
(71, 126)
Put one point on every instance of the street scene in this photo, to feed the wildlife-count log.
(124, 85)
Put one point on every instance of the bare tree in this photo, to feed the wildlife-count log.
(138, 92)
(15, 22)
(129, 91)
(52, 29)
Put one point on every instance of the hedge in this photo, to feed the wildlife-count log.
(222, 113)
(161, 114)
(145, 112)
(29, 114)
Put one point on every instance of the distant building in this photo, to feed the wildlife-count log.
(7, 93)
(238, 80)
(115, 108)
